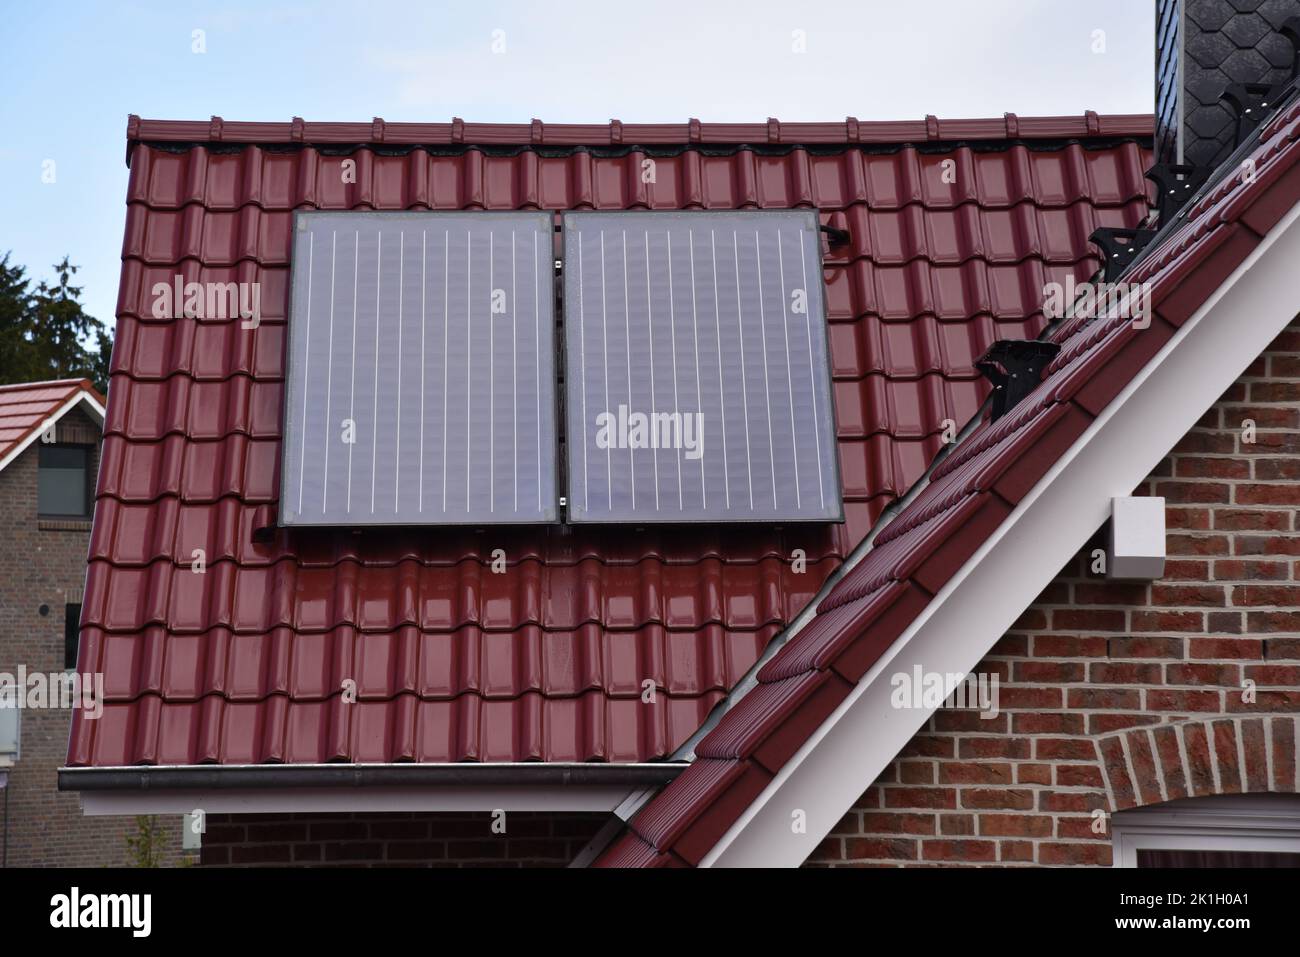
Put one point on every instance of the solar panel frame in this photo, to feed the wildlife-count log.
(577, 286)
(473, 224)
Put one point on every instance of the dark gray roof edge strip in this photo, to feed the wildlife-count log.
(460, 774)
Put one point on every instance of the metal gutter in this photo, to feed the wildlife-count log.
(522, 774)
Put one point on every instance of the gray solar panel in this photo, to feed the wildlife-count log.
(421, 370)
(697, 383)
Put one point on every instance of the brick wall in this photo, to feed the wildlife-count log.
(397, 840)
(44, 564)
(1120, 694)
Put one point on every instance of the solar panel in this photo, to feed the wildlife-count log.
(421, 370)
(697, 383)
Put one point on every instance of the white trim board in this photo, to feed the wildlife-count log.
(93, 406)
(832, 769)
(596, 797)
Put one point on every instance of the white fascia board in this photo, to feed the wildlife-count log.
(961, 624)
(92, 406)
(268, 800)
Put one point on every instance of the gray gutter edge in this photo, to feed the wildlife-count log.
(503, 774)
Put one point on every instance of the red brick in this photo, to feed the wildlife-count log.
(1277, 469)
(1195, 493)
(921, 797)
(1192, 519)
(956, 824)
(1079, 776)
(1185, 595)
(1010, 798)
(1198, 673)
(1281, 494)
(1126, 673)
(939, 850)
(1033, 774)
(1072, 801)
(1287, 596)
(884, 822)
(1105, 699)
(1078, 828)
(1015, 825)
(1108, 723)
(1265, 622)
(1097, 854)
(1016, 851)
(994, 747)
(982, 772)
(1047, 723)
(1250, 520)
(1087, 619)
(1225, 647)
(1196, 544)
(1201, 466)
(1048, 672)
(1069, 646)
(1266, 545)
(1168, 621)
(1275, 648)
(1146, 647)
(1274, 675)
(875, 848)
(1172, 699)
(1223, 622)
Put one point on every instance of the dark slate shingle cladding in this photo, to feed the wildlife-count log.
(1227, 41)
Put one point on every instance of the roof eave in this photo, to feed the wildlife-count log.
(297, 788)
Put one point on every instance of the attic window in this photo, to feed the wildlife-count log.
(63, 481)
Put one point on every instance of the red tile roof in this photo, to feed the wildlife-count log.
(246, 662)
(27, 406)
(969, 495)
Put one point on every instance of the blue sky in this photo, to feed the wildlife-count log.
(71, 72)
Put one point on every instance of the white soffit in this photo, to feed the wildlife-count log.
(847, 753)
(372, 799)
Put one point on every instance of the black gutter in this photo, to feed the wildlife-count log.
(464, 774)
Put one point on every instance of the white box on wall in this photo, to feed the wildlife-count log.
(1136, 550)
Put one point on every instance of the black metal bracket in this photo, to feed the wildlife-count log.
(836, 236)
(1249, 103)
(1176, 183)
(1119, 247)
(1015, 367)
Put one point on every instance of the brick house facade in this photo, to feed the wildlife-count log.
(1115, 695)
(42, 574)
(1097, 681)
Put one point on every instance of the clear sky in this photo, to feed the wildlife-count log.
(71, 72)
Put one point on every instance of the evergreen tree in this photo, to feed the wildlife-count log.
(43, 334)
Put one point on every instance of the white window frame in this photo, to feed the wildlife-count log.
(1239, 822)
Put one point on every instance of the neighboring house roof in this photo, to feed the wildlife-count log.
(245, 664)
(972, 493)
(29, 408)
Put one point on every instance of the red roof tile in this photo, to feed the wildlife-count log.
(247, 661)
(968, 496)
(26, 406)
